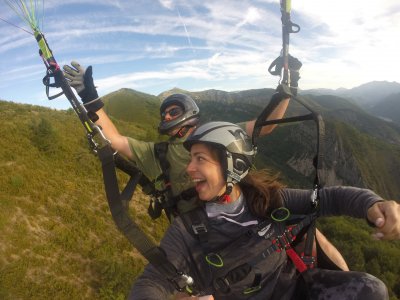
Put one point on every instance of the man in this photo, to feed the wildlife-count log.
(179, 117)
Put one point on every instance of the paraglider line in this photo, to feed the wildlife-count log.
(16, 26)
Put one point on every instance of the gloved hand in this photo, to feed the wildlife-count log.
(284, 92)
(294, 67)
(82, 81)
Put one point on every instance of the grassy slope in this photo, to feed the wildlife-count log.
(57, 239)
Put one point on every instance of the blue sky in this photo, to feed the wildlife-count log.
(155, 45)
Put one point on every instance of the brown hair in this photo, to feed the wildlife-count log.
(261, 191)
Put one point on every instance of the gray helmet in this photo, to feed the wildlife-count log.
(238, 151)
(190, 116)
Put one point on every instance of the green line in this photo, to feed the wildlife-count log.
(25, 11)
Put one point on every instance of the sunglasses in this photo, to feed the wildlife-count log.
(174, 112)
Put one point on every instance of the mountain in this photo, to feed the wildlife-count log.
(57, 237)
(388, 109)
(366, 95)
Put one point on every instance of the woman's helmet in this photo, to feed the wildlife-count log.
(190, 116)
(234, 144)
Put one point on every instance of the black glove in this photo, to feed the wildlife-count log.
(294, 67)
(82, 81)
(284, 91)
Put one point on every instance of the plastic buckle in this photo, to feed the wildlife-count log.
(183, 282)
(199, 228)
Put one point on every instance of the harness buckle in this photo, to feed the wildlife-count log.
(183, 283)
(199, 228)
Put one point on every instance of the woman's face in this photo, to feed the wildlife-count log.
(205, 171)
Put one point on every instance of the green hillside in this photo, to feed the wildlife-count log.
(58, 240)
(133, 106)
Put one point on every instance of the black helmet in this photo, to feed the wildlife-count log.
(237, 149)
(190, 116)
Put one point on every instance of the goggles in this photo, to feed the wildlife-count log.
(173, 112)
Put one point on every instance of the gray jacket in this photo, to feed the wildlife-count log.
(277, 273)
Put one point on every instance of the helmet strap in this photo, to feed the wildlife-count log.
(182, 131)
(226, 196)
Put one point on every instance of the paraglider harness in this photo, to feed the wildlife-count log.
(118, 200)
(281, 230)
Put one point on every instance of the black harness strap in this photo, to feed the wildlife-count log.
(165, 199)
(196, 223)
(160, 150)
(154, 254)
(162, 199)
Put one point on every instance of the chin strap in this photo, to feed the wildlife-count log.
(225, 197)
(183, 131)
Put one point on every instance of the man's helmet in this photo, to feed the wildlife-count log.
(190, 116)
(234, 143)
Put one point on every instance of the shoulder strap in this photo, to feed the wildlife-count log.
(196, 223)
(165, 197)
(160, 150)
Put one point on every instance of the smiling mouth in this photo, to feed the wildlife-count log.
(197, 180)
(199, 183)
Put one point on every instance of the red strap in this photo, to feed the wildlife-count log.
(298, 262)
(225, 199)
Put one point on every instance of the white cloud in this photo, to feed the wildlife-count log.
(251, 16)
(169, 4)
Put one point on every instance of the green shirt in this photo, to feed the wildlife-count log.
(178, 157)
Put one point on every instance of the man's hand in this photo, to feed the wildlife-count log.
(386, 218)
(82, 81)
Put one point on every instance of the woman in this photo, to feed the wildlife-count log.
(233, 247)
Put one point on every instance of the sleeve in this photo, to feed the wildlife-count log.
(144, 158)
(152, 284)
(334, 201)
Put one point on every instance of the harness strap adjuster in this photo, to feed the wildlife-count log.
(199, 228)
(309, 261)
